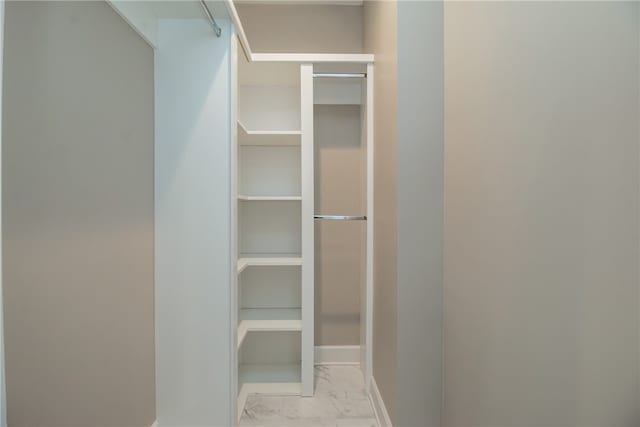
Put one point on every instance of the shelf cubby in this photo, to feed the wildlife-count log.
(268, 320)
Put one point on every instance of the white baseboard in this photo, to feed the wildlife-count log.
(337, 355)
(382, 416)
(155, 424)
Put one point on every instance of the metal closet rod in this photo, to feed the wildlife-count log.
(214, 24)
(341, 217)
(340, 75)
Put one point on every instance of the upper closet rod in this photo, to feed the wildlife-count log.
(214, 24)
(340, 75)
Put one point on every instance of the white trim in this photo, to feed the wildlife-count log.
(233, 212)
(368, 344)
(315, 58)
(337, 355)
(382, 416)
(155, 424)
(239, 30)
(307, 211)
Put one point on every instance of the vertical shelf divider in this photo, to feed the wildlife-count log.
(306, 153)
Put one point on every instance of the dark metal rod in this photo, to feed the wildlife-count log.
(214, 24)
(340, 75)
(342, 217)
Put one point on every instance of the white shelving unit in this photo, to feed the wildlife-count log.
(271, 175)
(274, 208)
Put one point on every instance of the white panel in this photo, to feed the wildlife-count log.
(269, 171)
(306, 90)
(269, 108)
(233, 244)
(367, 315)
(3, 411)
(269, 227)
(270, 287)
(192, 224)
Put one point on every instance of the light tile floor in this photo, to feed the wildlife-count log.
(340, 400)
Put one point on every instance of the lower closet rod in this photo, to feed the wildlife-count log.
(340, 75)
(341, 217)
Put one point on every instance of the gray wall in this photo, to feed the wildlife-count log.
(3, 399)
(541, 229)
(340, 173)
(420, 193)
(409, 191)
(295, 28)
(381, 39)
(77, 189)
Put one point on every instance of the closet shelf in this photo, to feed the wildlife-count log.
(276, 260)
(268, 320)
(269, 198)
(268, 137)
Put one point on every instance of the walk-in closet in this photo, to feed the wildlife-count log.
(301, 150)
(319, 213)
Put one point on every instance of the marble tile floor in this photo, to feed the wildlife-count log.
(340, 400)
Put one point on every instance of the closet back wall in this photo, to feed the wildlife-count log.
(340, 170)
(289, 28)
(77, 188)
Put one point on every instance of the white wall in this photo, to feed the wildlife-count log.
(420, 204)
(541, 225)
(193, 224)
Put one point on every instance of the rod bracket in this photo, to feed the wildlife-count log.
(216, 28)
